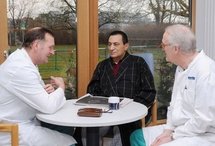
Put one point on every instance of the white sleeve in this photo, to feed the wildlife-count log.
(28, 87)
(169, 124)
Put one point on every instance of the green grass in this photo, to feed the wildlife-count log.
(65, 57)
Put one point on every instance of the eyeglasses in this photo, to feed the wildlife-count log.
(162, 45)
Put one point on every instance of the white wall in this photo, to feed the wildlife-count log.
(205, 26)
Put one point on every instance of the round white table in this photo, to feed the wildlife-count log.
(67, 116)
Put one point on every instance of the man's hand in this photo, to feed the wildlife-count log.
(57, 82)
(165, 137)
(49, 88)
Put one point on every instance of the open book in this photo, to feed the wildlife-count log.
(90, 99)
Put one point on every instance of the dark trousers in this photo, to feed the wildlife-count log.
(127, 129)
(125, 132)
(78, 136)
(62, 129)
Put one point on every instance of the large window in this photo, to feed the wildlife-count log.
(144, 22)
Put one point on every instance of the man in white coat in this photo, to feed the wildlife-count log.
(23, 94)
(191, 114)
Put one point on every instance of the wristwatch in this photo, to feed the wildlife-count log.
(171, 136)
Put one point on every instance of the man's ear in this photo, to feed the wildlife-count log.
(126, 46)
(177, 48)
(35, 44)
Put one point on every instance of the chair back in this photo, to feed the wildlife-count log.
(148, 57)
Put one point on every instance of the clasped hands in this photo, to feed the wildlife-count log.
(54, 83)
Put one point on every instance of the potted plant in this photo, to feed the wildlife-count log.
(69, 71)
(70, 91)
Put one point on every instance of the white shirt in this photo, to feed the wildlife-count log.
(22, 96)
(192, 108)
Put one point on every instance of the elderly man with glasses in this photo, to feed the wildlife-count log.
(191, 114)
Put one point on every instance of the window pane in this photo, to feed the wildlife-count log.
(144, 22)
(58, 16)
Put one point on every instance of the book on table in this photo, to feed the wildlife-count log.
(101, 100)
(90, 99)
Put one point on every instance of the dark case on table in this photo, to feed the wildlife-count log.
(90, 112)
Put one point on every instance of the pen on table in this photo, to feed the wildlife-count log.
(79, 104)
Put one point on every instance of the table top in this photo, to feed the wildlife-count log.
(67, 115)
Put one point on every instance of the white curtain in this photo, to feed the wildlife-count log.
(205, 26)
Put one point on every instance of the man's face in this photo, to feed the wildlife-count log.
(168, 49)
(45, 48)
(116, 47)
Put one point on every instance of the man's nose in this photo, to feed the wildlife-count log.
(111, 47)
(53, 52)
(162, 48)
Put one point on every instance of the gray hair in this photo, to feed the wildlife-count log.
(183, 36)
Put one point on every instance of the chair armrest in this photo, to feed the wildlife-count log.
(13, 129)
(154, 120)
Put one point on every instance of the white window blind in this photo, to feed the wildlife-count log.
(205, 26)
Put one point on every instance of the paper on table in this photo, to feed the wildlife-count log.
(125, 102)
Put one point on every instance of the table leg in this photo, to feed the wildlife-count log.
(92, 136)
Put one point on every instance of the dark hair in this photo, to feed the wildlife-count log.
(37, 33)
(118, 32)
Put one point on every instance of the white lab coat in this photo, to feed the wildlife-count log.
(191, 113)
(22, 96)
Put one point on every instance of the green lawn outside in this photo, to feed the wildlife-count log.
(64, 58)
